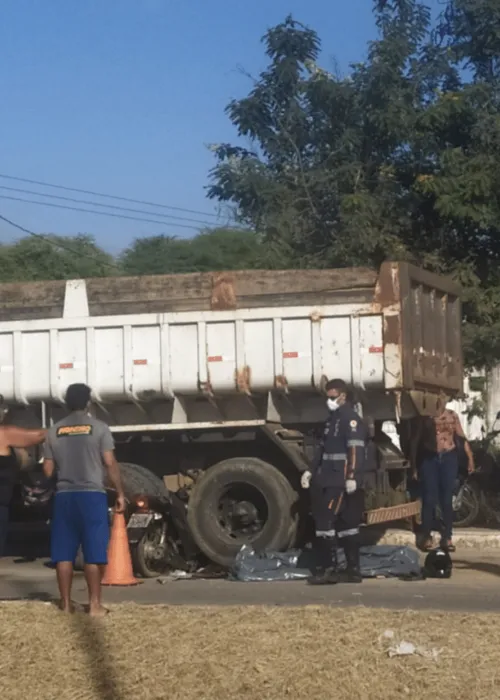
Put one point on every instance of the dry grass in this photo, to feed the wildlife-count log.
(148, 653)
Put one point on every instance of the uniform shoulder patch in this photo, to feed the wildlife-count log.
(354, 424)
(70, 430)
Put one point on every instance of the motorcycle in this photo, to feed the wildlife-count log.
(159, 536)
(157, 529)
(466, 502)
(478, 494)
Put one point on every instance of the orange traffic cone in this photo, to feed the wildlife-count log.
(119, 571)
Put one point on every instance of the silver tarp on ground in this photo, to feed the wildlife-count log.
(376, 560)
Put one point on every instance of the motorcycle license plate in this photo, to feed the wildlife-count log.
(140, 520)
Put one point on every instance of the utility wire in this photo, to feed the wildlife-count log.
(100, 204)
(58, 244)
(109, 196)
(99, 213)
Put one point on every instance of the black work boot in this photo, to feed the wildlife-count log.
(326, 573)
(352, 573)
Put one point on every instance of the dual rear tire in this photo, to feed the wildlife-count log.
(239, 501)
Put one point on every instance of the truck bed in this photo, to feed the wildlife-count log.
(239, 334)
(208, 291)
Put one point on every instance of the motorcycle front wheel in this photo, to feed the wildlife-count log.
(466, 506)
(151, 554)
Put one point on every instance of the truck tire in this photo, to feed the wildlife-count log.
(242, 501)
(139, 481)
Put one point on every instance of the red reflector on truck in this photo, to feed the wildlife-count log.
(65, 365)
(375, 349)
(290, 355)
(140, 362)
(215, 358)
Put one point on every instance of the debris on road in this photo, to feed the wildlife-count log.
(177, 575)
(205, 573)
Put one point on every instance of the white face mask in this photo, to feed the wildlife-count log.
(333, 404)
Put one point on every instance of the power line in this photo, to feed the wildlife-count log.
(99, 213)
(109, 196)
(100, 204)
(58, 244)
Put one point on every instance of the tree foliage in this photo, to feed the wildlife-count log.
(398, 159)
(54, 257)
(60, 257)
(217, 249)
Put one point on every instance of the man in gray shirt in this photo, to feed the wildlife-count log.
(80, 450)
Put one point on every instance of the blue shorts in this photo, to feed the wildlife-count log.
(80, 518)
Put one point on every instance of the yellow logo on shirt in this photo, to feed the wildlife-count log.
(69, 430)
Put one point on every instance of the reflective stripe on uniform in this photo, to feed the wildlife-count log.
(349, 533)
(332, 457)
(325, 533)
(355, 443)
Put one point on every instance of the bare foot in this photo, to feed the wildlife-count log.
(98, 611)
(68, 608)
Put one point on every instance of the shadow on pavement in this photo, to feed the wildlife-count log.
(89, 631)
(485, 567)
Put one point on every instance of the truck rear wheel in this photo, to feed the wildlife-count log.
(242, 501)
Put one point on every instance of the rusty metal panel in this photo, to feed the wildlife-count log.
(385, 515)
(432, 318)
(422, 329)
(25, 301)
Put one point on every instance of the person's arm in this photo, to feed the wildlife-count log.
(49, 465)
(356, 443)
(319, 448)
(460, 432)
(112, 467)
(21, 437)
(115, 478)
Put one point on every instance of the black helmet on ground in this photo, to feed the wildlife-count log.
(438, 564)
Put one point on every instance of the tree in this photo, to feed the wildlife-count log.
(318, 180)
(54, 257)
(217, 249)
(399, 159)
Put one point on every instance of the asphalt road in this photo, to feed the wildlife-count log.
(474, 587)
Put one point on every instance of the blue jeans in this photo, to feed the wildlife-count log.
(438, 475)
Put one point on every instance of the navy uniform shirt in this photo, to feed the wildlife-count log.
(342, 453)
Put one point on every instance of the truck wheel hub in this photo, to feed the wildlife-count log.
(245, 512)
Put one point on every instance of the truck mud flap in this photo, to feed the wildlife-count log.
(385, 515)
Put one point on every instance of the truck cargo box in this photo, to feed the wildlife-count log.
(143, 340)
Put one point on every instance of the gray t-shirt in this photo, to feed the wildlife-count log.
(76, 444)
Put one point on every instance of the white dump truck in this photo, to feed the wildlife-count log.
(213, 383)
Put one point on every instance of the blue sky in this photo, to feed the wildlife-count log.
(122, 97)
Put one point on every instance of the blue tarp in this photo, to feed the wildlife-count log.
(376, 560)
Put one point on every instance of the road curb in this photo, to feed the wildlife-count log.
(476, 538)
